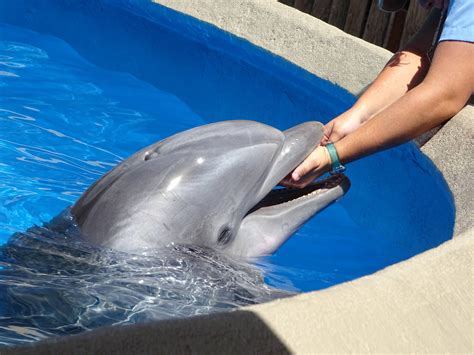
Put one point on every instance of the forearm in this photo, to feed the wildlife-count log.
(416, 112)
(446, 89)
(404, 71)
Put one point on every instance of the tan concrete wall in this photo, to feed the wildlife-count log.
(295, 36)
(424, 304)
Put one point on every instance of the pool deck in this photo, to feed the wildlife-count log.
(424, 304)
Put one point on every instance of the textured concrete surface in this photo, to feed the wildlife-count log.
(424, 304)
(452, 151)
(293, 35)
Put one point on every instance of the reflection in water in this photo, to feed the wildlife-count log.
(58, 117)
(52, 284)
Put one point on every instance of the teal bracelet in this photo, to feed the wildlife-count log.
(336, 165)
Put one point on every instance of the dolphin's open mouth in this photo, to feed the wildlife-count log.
(282, 211)
(281, 196)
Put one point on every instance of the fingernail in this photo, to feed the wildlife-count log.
(295, 176)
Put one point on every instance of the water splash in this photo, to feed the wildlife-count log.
(54, 284)
(58, 117)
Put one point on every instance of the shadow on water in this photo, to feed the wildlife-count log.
(51, 283)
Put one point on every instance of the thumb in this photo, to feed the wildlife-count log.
(304, 168)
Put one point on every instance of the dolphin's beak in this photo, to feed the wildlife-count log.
(287, 199)
(299, 142)
(280, 212)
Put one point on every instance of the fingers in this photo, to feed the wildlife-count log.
(309, 164)
(334, 137)
(328, 129)
(315, 165)
(303, 182)
(332, 132)
(304, 174)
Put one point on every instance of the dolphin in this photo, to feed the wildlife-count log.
(211, 186)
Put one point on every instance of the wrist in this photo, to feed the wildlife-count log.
(335, 164)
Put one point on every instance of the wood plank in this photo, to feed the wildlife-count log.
(363, 19)
(416, 16)
(338, 14)
(304, 5)
(376, 26)
(393, 38)
(357, 15)
(322, 9)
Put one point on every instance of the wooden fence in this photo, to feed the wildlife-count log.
(363, 19)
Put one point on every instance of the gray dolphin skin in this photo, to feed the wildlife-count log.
(211, 186)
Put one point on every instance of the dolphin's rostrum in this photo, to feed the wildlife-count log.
(209, 186)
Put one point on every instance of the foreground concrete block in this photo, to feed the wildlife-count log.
(424, 304)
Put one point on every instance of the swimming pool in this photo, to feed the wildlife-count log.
(85, 85)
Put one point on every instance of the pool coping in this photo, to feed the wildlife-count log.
(424, 304)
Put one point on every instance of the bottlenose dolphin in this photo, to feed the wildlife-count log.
(209, 186)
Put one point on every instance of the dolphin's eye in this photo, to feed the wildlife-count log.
(225, 236)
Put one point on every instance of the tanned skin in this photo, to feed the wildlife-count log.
(409, 97)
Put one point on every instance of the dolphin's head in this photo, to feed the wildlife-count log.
(209, 186)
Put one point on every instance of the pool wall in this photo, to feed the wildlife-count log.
(424, 304)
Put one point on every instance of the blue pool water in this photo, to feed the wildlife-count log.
(83, 86)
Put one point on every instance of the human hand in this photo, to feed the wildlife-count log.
(319, 161)
(315, 165)
(338, 128)
(342, 125)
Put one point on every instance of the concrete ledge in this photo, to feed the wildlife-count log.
(424, 304)
(293, 35)
(452, 151)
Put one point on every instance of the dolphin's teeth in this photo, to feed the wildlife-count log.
(283, 196)
(305, 197)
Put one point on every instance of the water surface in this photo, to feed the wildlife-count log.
(84, 86)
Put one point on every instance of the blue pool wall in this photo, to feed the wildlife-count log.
(127, 42)
(409, 208)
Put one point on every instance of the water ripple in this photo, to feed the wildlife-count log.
(53, 284)
(59, 116)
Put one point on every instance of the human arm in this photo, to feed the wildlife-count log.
(404, 71)
(445, 90)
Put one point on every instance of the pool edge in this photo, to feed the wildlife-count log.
(424, 304)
